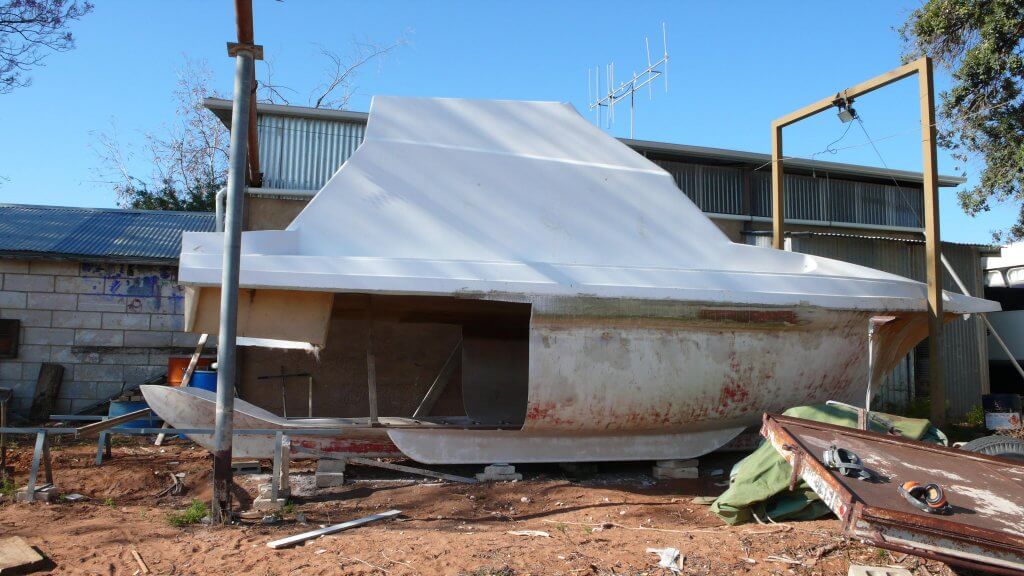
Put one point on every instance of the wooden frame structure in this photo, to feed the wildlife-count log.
(922, 67)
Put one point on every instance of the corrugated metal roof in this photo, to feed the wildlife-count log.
(108, 233)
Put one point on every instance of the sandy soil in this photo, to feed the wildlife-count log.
(602, 524)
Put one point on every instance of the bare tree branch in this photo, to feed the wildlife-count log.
(29, 31)
(341, 72)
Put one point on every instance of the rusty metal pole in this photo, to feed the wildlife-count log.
(224, 425)
(932, 242)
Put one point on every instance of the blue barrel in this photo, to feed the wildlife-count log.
(205, 379)
(122, 408)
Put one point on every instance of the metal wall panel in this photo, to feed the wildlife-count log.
(303, 153)
(826, 199)
(965, 347)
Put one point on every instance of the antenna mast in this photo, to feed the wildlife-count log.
(628, 89)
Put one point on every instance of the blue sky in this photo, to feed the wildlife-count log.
(735, 66)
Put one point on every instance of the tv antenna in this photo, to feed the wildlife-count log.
(628, 89)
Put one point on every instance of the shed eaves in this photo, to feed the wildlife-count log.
(99, 233)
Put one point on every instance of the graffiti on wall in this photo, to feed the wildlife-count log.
(143, 288)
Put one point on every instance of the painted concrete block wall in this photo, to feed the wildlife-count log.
(108, 324)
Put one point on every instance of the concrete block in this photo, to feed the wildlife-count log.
(78, 391)
(62, 406)
(101, 303)
(33, 353)
(82, 403)
(30, 371)
(98, 373)
(88, 337)
(158, 357)
(145, 338)
(108, 389)
(691, 463)
(126, 356)
(133, 374)
(676, 469)
(169, 322)
(329, 473)
(125, 321)
(268, 504)
(67, 355)
(34, 318)
(13, 299)
(53, 267)
(499, 473)
(53, 336)
(52, 301)
(10, 370)
(184, 340)
(68, 319)
(78, 285)
(28, 283)
(171, 289)
(13, 266)
(148, 305)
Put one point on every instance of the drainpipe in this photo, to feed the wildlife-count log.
(245, 54)
(218, 206)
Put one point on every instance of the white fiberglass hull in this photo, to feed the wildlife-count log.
(632, 388)
(194, 408)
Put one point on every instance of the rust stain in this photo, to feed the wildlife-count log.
(745, 316)
(352, 446)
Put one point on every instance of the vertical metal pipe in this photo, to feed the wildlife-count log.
(218, 206)
(224, 425)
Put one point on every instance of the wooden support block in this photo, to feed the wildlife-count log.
(47, 389)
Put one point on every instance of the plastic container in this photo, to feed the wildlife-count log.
(205, 379)
(122, 408)
(176, 366)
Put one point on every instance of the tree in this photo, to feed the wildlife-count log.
(30, 30)
(189, 159)
(981, 43)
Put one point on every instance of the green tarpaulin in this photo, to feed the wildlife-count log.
(759, 484)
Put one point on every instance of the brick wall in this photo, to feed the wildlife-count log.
(108, 324)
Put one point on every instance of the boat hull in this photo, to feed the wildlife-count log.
(670, 381)
(194, 408)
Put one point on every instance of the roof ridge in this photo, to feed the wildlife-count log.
(104, 209)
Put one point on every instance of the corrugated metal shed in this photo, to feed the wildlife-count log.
(965, 347)
(303, 153)
(97, 233)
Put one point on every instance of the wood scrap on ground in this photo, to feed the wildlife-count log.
(284, 542)
(140, 562)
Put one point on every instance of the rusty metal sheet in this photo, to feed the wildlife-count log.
(985, 530)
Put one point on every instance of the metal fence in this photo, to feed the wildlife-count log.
(965, 350)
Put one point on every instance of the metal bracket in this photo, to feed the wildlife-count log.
(282, 464)
(255, 49)
(41, 454)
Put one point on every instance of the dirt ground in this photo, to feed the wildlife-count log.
(602, 523)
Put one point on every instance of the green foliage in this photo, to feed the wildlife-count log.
(109, 502)
(6, 487)
(975, 417)
(288, 508)
(982, 114)
(194, 514)
(200, 197)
